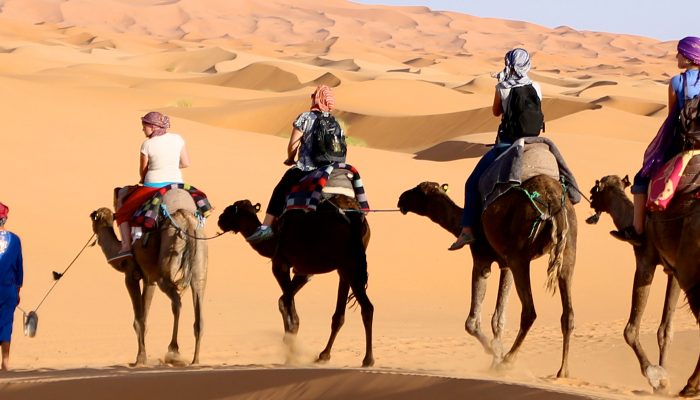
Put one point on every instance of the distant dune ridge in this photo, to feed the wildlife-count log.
(414, 92)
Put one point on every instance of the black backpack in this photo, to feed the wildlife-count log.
(690, 117)
(523, 117)
(328, 141)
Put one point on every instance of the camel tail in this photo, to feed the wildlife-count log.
(560, 232)
(183, 275)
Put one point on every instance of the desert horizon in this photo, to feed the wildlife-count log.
(413, 90)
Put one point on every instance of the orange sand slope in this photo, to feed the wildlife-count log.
(414, 93)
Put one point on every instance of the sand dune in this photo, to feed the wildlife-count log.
(414, 93)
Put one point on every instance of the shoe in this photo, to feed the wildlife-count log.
(462, 240)
(262, 233)
(628, 234)
(120, 256)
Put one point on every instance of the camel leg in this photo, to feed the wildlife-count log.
(567, 318)
(665, 332)
(170, 290)
(521, 277)
(134, 288)
(197, 298)
(498, 321)
(643, 277)
(367, 315)
(480, 274)
(338, 318)
(286, 301)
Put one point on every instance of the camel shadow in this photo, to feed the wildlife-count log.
(452, 150)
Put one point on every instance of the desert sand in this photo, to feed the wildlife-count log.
(414, 92)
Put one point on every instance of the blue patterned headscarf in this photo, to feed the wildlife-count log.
(517, 65)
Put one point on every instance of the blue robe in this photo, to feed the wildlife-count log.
(11, 278)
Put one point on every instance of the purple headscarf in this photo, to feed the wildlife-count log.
(689, 47)
(159, 121)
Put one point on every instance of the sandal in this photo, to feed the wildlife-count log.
(462, 240)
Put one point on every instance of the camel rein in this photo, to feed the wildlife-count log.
(182, 231)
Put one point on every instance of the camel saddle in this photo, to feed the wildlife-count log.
(538, 160)
(335, 178)
(339, 182)
(680, 175)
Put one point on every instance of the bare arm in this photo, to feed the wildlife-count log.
(143, 167)
(293, 146)
(497, 107)
(672, 99)
(184, 157)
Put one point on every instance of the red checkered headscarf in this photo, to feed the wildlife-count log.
(4, 210)
(323, 99)
(159, 121)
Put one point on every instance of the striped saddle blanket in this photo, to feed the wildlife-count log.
(335, 178)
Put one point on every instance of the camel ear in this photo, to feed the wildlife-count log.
(626, 181)
(445, 187)
(257, 207)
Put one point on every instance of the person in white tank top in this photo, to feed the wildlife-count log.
(163, 154)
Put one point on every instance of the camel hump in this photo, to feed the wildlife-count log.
(538, 160)
(179, 199)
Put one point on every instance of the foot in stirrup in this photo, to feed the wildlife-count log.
(462, 240)
(124, 254)
(263, 232)
(628, 234)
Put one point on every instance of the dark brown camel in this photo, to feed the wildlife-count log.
(511, 236)
(309, 243)
(170, 258)
(671, 241)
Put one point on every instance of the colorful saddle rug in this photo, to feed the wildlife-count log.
(146, 216)
(308, 193)
(681, 174)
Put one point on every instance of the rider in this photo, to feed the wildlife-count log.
(163, 154)
(322, 103)
(668, 141)
(514, 74)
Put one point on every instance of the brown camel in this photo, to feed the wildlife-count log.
(308, 243)
(671, 240)
(513, 233)
(171, 258)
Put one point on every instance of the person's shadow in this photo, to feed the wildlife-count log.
(452, 150)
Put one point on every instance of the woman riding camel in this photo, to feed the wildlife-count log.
(322, 103)
(669, 139)
(514, 74)
(163, 154)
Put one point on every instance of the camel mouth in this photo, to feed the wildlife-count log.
(593, 219)
(403, 210)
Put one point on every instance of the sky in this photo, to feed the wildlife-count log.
(651, 18)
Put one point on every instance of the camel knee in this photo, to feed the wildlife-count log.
(337, 321)
(527, 319)
(472, 326)
(631, 334)
(567, 321)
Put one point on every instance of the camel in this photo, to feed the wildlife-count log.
(307, 243)
(512, 234)
(171, 258)
(670, 241)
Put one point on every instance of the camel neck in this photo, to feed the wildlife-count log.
(447, 214)
(108, 242)
(622, 211)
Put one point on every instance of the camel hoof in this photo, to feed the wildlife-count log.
(657, 377)
(173, 358)
(367, 362)
(324, 357)
(689, 391)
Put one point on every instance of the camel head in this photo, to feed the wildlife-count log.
(239, 215)
(101, 218)
(607, 190)
(418, 199)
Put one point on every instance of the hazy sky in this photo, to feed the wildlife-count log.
(663, 20)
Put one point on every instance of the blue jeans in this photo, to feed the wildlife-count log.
(472, 197)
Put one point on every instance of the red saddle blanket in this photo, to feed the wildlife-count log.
(679, 174)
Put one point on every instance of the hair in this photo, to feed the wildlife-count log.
(2, 221)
